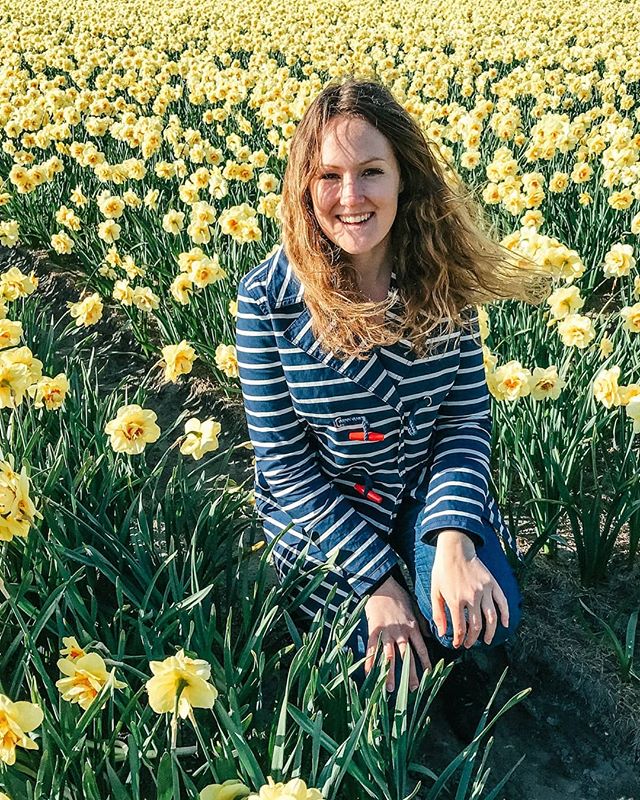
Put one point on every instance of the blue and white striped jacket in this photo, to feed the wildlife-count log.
(340, 443)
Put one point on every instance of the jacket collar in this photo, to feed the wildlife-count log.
(284, 288)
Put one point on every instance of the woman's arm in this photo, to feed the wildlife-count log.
(459, 477)
(286, 459)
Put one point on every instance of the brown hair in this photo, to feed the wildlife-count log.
(443, 258)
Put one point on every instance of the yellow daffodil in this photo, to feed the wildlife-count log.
(619, 261)
(232, 789)
(633, 412)
(631, 317)
(605, 387)
(85, 677)
(178, 359)
(10, 333)
(132, 429)
(295, 789)
(49, 392)
(200, 437)
(9, 233)
(16, 721)
(628, 393)
(17, 510)
(227, 360)
(181, 288)
(510, 381)
(15, 284)
(606, 347)
(182, 680)
(576, 331)
(71, 649)
(564, 301)
(546, 383)
(109, 231)
(87, 311)
(15, 379)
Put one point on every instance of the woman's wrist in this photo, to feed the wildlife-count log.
(454, 540)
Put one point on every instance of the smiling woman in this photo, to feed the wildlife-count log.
(363, 380)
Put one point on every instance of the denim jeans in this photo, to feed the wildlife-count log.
(418, 556)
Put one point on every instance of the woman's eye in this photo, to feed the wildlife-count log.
(331, 175)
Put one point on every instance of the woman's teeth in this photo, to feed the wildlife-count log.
(355, 219)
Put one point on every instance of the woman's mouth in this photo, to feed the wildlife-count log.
(355, 220)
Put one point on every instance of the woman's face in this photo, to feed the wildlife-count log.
(355, 190)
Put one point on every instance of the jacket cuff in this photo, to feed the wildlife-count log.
(473, 529)
(365, 584)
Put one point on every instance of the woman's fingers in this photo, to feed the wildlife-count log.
(458, 622)
(439, 612)
(501, 602)
(490, 617)
(390, 653)
(474, 614)
(423, 654)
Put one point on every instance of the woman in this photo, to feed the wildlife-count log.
(364, 386)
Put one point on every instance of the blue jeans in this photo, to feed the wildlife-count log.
(418, 557)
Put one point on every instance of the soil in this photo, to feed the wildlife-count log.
(579, 727)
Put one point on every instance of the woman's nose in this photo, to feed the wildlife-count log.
(351, 191)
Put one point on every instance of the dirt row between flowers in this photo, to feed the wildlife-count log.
(579, 727)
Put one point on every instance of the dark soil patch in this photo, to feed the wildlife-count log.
(580, 725)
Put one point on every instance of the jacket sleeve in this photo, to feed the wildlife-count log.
(458, 488)
(285, 456)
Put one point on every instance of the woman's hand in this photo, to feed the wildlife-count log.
(461, 580)
(390, 617)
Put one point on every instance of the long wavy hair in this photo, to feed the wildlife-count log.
(444, 258)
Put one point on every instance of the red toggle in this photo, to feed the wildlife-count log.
(370, 495)
(361, 436)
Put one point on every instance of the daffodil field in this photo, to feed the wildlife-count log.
(143, 146)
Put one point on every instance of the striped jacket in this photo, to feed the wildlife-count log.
(340, 443)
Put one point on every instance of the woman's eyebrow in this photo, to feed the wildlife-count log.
(360, 164)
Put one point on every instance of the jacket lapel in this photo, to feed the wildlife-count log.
(369, 374)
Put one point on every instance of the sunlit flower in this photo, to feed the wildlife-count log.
(233, 308)
(605, 387)
(633, 412)
(10, 333)
(16, 721)
(200, 437)
(17, 510)
(109, 231)
(564, 301)
(62, 243)
(510, 381)
(619, 260)
(71, 649)
(85, 678)
(606, 347)
(144, 298)
(132, 429)
(9, 233)
(295, 789)
(182, 680)
(232, 789)
(227, 360)
(546, 383)
(49, 392)
(576, 331)
(181, 288)
(631, 317)
(178, 360)
(15, 284)
(87, 311)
